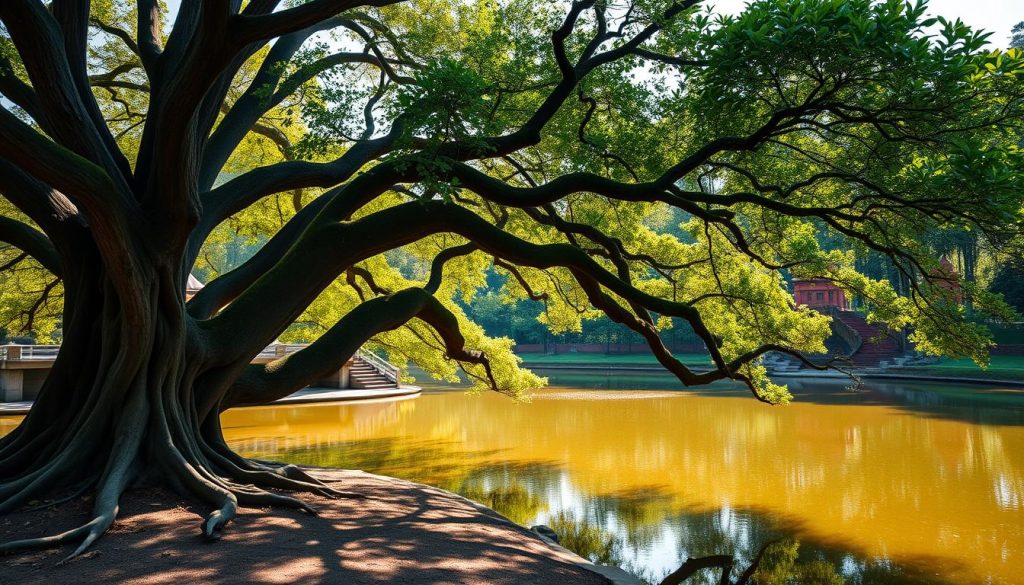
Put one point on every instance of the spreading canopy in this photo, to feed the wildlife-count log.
(625, 159)
(643, 160)
(346, 171)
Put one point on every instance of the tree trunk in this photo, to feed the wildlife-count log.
(119, 406)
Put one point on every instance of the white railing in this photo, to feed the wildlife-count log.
(28, 352)
(49, 352)
(386, 368)
(276, 350)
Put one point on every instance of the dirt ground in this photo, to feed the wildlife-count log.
(400, 533)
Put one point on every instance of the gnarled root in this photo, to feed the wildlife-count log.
(286, 477)
(178, 454)
(85, 533)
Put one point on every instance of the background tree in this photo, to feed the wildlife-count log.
(371, 160)
(1009, 282)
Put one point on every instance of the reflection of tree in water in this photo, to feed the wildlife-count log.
(639, 514)
(586, 539)
(515, 502)
(613, 529)
(638, 517)
(747, 538)
(779, 563)
(616, 528)
(442, 464)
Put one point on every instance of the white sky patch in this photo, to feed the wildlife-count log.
(995, 16)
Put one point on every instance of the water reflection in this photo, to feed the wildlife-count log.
(883, 486)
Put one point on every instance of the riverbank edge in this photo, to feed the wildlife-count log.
(613, 575)
(809, 374)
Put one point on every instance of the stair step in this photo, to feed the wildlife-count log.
(364, 375)
(374, 386)
(878, 345)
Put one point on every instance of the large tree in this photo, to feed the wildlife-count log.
(642, 160)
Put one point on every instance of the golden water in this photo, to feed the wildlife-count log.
(895, 485)
(900, 484)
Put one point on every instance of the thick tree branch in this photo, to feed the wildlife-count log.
(120, 33)
(71, 114)
(243, 116)
(248, 27)
(111, 221)
(243, 191)
(223, 289)
(32, 241)
(19, 92)
(48, 208)
(150, 36)
(55, 165)
(183, 104)
(299, 275)
(250, 106)
(260, 384)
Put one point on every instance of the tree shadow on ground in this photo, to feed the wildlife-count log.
(400, 533)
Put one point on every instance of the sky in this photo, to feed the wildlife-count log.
(995, 16)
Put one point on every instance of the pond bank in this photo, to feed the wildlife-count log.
(401, 532)
(872, 374)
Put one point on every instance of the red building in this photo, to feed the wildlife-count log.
(948, 278)
(819, 293)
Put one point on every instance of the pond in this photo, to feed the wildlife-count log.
(897, 483)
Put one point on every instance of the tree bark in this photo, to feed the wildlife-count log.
(119, 406)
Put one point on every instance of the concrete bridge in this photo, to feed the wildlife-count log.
(23, 369)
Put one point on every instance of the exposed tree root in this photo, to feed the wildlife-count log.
(156, 436)
(75, 492)
(285, 477)
(74, 534)
(226, 494)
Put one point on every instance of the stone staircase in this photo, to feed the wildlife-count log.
(853, 342)
(778, 364)
(366, 375)
(877, 348)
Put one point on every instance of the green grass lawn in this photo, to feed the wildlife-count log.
(1002, 367)
(600, 359)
